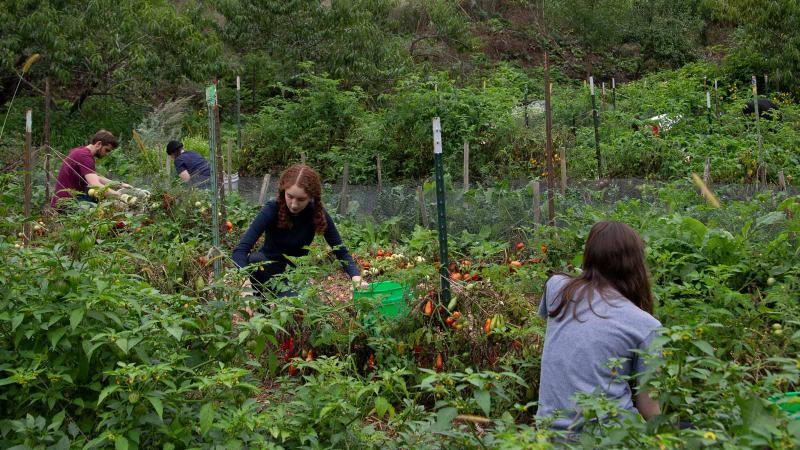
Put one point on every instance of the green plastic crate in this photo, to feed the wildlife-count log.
(789, 402)
(393, 298)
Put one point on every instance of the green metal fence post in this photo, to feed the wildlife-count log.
(441, 210)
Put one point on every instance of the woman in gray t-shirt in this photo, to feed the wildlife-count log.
(605, 312)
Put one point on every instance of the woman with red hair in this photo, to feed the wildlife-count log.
(289, 224)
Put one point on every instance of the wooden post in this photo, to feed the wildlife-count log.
(613, 94)
(262, 196)
(47, 179)
(302, 157)
(759, 168)
(345, 180)
(238, 118)
(537, 211)
(707, 172)
(596, 120)
(423, 210)
(548, 145)
(380, 173)
(46, 126)
(28, 167)
(230, 166)
(466, 165)
(220, 178)
(603, 96)
(766, 84)
(563, 152)
(781, 181)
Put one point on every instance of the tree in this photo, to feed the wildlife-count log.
(767, 40)
(123, 48)
(350, 40)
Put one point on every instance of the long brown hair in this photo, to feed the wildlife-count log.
(306, 178)
(612, 258)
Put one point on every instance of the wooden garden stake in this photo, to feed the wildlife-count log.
(537, 210)
(47, 179)
(758, 137)
(707, 172)
(563, 170)
(229, 149)
(238, 118)
(302, 157)
(596, 119)
(766, 84)
(548, 146)
(423, 211)
(603, 95)
(380, 173)
(781, 181)
(466, 165)
(28, 166)
(262, 196)
(613, 94)
(345, 180)
(525, 105)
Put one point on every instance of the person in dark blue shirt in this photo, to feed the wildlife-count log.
(289, 224)
(192, 168)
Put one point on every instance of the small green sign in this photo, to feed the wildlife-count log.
(211, 95)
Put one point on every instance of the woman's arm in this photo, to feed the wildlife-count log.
(333, 239)
(264, 218)
(647, 407)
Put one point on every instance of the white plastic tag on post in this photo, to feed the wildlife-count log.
(604, 88)
(613, 83)
(238, 86)
(754, 80)
(591, 85)
(437, 136)
(708, 99)
(28, 121)
(715, 84)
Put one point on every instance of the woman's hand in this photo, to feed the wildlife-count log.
(359, 283)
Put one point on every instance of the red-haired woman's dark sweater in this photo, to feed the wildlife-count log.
(293, 241)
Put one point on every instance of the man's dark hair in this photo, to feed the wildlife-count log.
(174, 147)
(105, 138)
